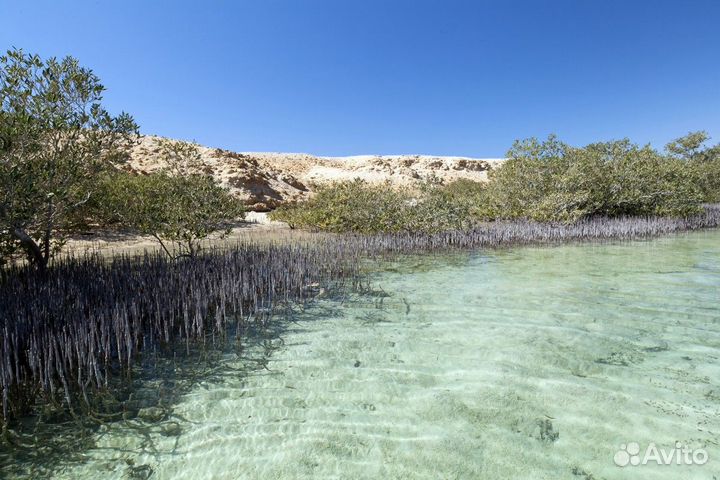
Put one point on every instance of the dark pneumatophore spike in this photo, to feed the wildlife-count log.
(66, 333)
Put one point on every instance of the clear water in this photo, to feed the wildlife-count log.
(521, 363)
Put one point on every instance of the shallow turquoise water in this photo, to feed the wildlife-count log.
(520, 363)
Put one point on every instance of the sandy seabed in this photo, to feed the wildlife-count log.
(520, 363)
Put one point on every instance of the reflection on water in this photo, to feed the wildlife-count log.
(520, 363)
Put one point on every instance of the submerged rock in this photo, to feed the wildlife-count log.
(151, 414)
(171, 429)
(619, 359)
(143, 398)
(141, 472)
(584, 475)
(545, 431)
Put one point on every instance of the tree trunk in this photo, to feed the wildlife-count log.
(47, 235)
(34, 253)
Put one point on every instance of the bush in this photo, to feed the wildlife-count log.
(454, 206)
(351, 206)
(706, 169)
(552, 181)
(179, 209)
(703, 163)
(356, 206)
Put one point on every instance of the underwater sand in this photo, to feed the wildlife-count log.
(520, 363)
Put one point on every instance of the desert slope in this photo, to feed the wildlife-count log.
(264, 180)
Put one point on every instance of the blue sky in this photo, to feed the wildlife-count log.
(393, 76)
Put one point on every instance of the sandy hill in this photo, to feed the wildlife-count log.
(264, 180)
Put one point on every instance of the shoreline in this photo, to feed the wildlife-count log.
(528, 233)
(259, 230)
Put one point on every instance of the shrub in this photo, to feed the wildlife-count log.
(179, 209)
(454, 206)
(350, 206)
(703, 163)
(552, 181)
(356, 206)
(706, 170)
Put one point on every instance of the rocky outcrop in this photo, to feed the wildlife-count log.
(265, 180)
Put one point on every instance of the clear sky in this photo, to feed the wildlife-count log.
(393, 76)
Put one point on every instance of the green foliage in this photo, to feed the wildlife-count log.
(457, 205)
(356, 206)
(688, 145)
(177, 204)
(54, 137)
(353, 206)
(59, 153)
(178, 209)
(706, 169)
(181, 158)
(552, 181)
(703, 163)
